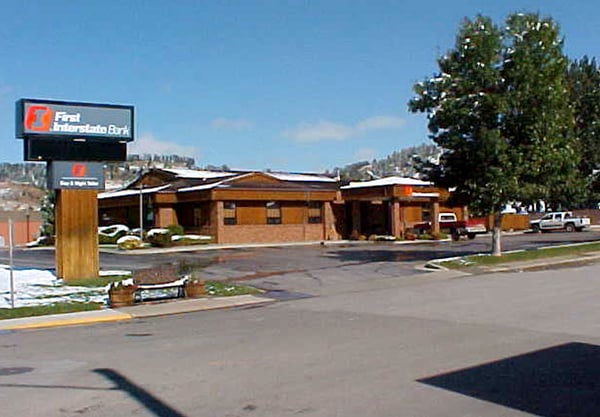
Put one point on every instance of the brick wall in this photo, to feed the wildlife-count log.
(271, 233)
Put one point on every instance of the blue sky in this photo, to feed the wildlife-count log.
(286, 85)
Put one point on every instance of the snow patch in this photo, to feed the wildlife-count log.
(191, 237)
(34, 287)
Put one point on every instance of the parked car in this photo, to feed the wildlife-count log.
(560, 220)
(454, 227)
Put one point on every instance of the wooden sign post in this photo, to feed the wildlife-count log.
(75, 139)
(76, 224)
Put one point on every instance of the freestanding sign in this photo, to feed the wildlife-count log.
(69, 135)
(65, 120)
(69, 175)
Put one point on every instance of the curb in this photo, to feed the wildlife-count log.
(434, 266)
(191, 305)
(108, 315)
(67, 319)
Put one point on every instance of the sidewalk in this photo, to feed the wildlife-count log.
(138, 311)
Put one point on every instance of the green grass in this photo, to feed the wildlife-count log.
(522, 256)
(213, 288)
(55, 308)
(96, 282)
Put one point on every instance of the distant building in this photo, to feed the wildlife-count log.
(253, 207)
(233, 207)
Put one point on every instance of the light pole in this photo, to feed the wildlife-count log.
(141, 211)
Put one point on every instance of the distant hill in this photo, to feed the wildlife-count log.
(22, 185)
(24, 173)
(400, 163)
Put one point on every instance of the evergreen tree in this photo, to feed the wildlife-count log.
(499, 111)
(47, 212)
(584, 87)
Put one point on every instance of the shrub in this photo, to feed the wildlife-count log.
(175, 229)
(107, 240)
(130, 242)
(159, 237)
(110, 234)
(184, 240)
(439, 235)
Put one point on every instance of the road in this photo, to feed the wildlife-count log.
(505, 344)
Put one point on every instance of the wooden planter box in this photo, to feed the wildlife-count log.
(122, 296)
(194, 289)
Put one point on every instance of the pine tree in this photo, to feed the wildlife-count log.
(47, 212)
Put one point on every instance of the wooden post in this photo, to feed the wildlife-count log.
(396, 226)
(329, 230)
(76, 234)
(356, 221)
(216, 220)
(166, 216)
(435, 221)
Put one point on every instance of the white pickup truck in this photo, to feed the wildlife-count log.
(560, 220)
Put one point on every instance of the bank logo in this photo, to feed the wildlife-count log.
(78, 170)
(38, 118)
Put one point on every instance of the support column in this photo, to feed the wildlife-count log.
(355, 218)
(166, 216)
(329, 230)
(216, 220)
(395, 223)
(435, 221)
(403, 219)
(76, 215)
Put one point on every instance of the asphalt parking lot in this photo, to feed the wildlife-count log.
(311, 269)
(499, 345)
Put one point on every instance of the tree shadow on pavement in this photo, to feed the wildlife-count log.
(559, 381)
(144, 397)
(393, 254)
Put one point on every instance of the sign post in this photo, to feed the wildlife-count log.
(10, 256)
(74, 138)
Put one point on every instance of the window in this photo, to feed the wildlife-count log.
(197, 217)
(229, 215)
(314, 212)
(447, 217)
(201, 217)
(273, 212)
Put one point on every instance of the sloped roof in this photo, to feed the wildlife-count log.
(386, 181)
(204, 186)
(197, 173)
(131, 191)
(278, 176)
(300, 177)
